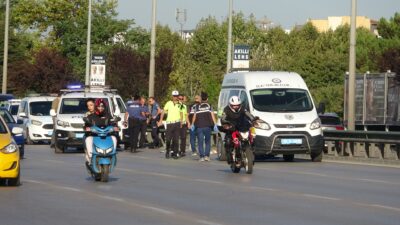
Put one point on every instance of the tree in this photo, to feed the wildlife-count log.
(390, 29)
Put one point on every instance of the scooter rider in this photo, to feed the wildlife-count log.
(99, 118)
(238, 117)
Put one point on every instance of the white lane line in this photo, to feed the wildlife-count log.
(71, 189)
(160, 210)
(112, 198)
(262, 188)
(208, 181)
(207, 222)
(376, 181)
(321, 197)
(385, 207)
(360, 163)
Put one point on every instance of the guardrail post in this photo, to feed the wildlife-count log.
(366, 147)
(351, 149)
(381, 151)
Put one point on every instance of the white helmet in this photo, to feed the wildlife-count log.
(235, 103)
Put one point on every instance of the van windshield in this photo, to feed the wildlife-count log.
(281, 100)
(40, 108)
(76, 106)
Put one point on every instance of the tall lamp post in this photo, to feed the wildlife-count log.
(229, 51)
(5, 61)
(89, 31)
(352, 68)
(152, 49)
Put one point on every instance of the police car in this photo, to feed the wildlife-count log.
(71, 110)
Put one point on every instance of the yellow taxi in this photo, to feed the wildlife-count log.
(9, 156)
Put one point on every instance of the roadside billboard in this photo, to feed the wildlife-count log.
(98, 70)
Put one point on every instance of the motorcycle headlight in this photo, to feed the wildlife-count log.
(36, 122)
(262, 125)
(99, 150)
(315, 124)
(62, 123)
(11, 148)
(109, 150)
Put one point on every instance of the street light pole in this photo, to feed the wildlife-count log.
(152, 49)
(5, 61)
(89, 31)
(229, 51)
(352, 68)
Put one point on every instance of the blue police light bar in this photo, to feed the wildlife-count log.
(74, 86)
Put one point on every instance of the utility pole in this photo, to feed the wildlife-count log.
(181, 17)
(152, 49)
(5, 61)
(89, 31)
(229, 51)
(352, 68)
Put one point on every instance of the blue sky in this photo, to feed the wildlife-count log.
(286, 13)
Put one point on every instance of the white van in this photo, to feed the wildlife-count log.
(283, 101)
(37, 122)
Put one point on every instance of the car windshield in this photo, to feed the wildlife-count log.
(330, 120)
(7, 116)
(40, 108)
(75, 106)
(14, 109)
(3, 128)
(281, 100)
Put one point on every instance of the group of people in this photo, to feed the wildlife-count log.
(198, 118)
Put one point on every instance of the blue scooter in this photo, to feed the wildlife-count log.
(104, 155)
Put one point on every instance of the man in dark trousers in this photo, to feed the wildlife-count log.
(133, 113)
(174, 122)
(155, 112)
(192, 132)
(144, 113)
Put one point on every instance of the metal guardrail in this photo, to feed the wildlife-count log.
(368, 144)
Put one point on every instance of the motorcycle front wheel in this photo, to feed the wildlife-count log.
(105, 170)
(248, 161)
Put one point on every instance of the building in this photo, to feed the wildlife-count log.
(333, 22)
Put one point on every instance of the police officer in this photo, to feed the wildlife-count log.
(155, 112)
(173, 121)
(184, 126)
(144, 113)
(133, 113)
(192, 132)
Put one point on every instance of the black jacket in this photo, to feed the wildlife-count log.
(240, 120)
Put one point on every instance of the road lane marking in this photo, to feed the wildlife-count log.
(160, 210)
(207, 222)
(385, 207)
(208, 181)
(321, 197)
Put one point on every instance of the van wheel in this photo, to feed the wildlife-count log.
(288, 158)
(220, 149)
(316, 156)
(28, 138)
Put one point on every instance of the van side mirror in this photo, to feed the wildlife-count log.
(53, 112)
(321, 108)
(22, 114)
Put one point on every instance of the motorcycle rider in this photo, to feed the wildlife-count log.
(240, 119)
(99, 118)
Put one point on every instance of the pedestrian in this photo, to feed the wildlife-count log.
(184, 125)
(155, 112)
(144, 114)
(204, 121)
(173, 124)
(54, 106)
(132, 115)
(192, 131)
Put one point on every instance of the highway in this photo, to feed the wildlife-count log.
(146, 188)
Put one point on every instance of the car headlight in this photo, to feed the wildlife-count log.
(315, 124)
(11, 148)
(36, 122)
(262, 125)
(62, 123)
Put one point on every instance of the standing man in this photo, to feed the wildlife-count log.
(192, 131)
(174, 120)
(184, 125)
(144, 113)
(155, 112)
(204, 120)
(133, 113)
(54, 107)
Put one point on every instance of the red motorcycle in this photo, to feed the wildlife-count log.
(241, 154)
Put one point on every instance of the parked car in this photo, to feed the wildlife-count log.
(13, 105)
(9, 155)
(331, 121)
(11, 123)
(37, 122)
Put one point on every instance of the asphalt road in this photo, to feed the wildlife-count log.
(148, 189)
